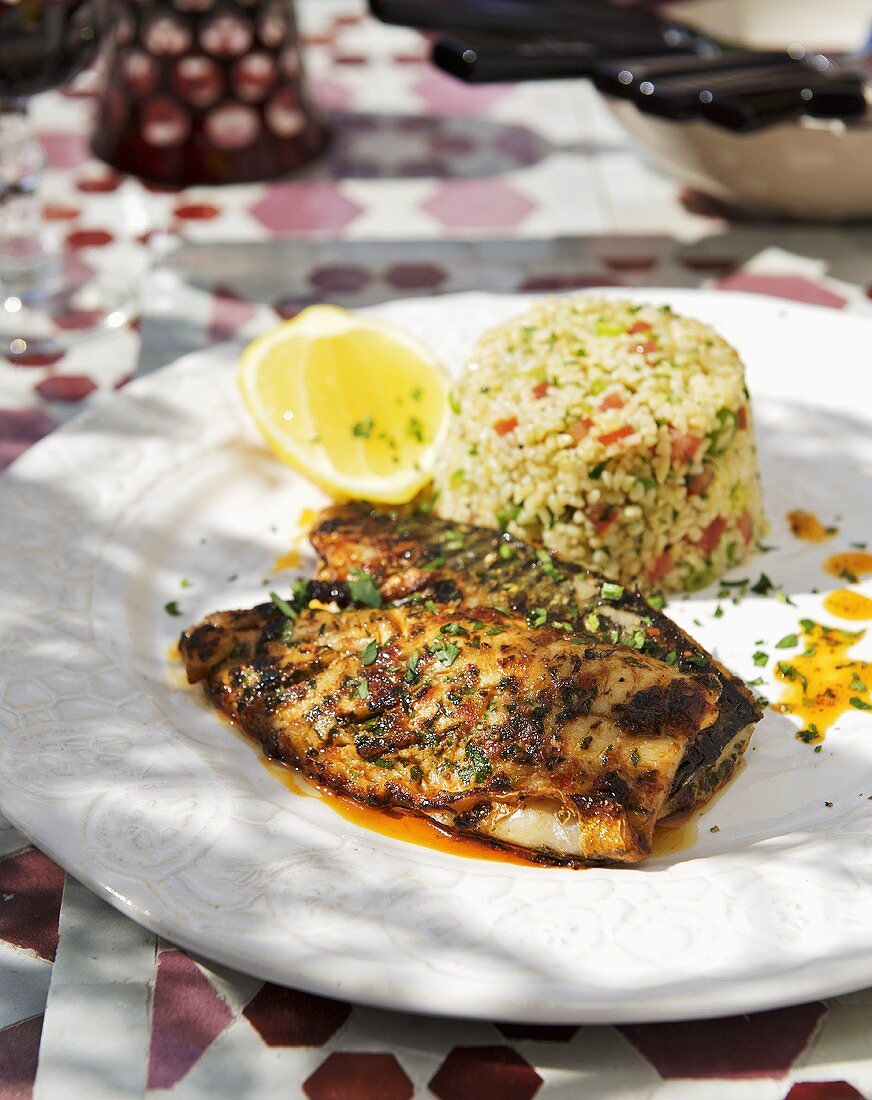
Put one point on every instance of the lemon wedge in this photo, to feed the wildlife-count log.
(355, 404)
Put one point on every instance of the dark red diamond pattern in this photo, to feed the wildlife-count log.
(485, 1073)
(31, 886)
(19, 1053)
(351, 1076)
(823, 1090)
(763, 1045)
(290, 1018)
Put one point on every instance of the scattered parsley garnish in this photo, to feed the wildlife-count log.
(859, 704)
(435, 563)
(454, 403)
(697, 660)
(453, 540)
(184, 583)
(548, 566)
(363, 428)
(718, 612)
(369, 654)
(363, 589)
(787, 642)
(417, 393)
(416, 773)
(445, 652)
(480, 763)
(807, 625)
(454, 628)
(595, 472)
(172, 608)
(537, 616)
(286, 609)
(857, 684)
(848, 576)
(412, 666)
(657, 601)
(760, 658)
(611, 591)
(416, 429)
(506, 552)
(430, 606)
(505, 516)
(763, 586)
(494, 630)
(361, 689)
(756, 682)
(592, 622)
(791, 672)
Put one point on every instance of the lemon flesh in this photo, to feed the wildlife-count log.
(356, 405)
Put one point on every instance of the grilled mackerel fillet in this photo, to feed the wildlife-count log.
(533, 739)
(414, 555)
(482, 700)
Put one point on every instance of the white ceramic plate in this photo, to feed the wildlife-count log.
(128, 781)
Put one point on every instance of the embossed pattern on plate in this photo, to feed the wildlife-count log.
(125, 778)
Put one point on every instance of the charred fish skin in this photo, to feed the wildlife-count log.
(538, 742)
(413, 554)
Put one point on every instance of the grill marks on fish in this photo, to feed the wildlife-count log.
(565, 751)
(411, 555)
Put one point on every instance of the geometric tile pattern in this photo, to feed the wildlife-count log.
(30, 902)
(491, 1073)
(290, 1018)
(545, 184)
(355, 1076)
(19, 1057)
(187, 1015)
(763, 1045)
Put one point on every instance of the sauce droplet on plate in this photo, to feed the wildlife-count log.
(848, 605)
(851, 565)
(806, 525)
(291, 560)
(821, 683)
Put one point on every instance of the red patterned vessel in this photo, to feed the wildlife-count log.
(206, 91)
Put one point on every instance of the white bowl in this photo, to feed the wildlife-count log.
(799, 169)
(803, 169)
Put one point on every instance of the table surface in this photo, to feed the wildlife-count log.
(531, 187)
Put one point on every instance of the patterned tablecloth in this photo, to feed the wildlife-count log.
(430, 187)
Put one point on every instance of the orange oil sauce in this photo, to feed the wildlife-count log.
(679, 832)
(806, 525)
(851, 563)
(821, 679)
(846, 604)
(291, 560)
(307, 518)
(396, 824)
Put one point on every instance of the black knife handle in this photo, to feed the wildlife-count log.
(481, 61)
(621, 77)
(680, 98)
(519, 19)
(821, 97)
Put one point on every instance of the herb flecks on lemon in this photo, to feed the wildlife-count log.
(355, 404)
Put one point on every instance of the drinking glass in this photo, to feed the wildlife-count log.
(47, 297)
